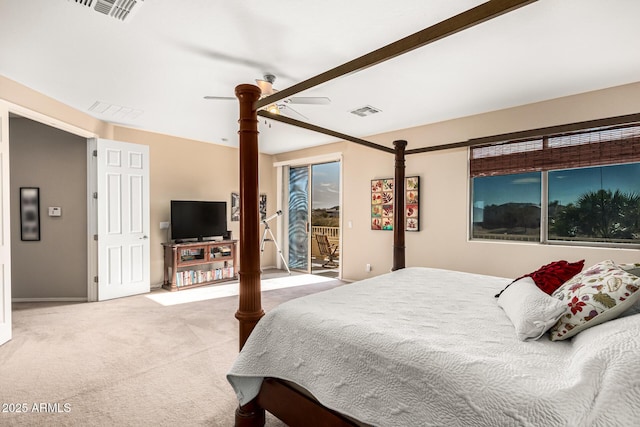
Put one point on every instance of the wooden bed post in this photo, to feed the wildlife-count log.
(398, 202)
(250, 305)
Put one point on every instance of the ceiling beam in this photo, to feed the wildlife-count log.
(309, 126)
(457, 23)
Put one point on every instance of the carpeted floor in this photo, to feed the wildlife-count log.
(135, 361)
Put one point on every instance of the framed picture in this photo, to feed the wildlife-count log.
(382, 209)
(412, 205)
(235, 207)
(29, 213)
(263, 206)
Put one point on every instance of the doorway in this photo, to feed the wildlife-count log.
(62, 167)
(314, 218)
(52, 161)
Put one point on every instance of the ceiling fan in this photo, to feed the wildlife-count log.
(282, 106)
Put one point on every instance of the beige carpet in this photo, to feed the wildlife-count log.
(127, 362)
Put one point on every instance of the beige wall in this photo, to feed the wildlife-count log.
(55, 161)
(443, 239)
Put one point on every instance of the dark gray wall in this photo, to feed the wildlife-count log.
(55, 161)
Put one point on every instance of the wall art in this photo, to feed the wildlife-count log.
(235, 206)
(383, 209)
(29, 213)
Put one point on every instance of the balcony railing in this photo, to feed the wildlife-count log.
(331, 232)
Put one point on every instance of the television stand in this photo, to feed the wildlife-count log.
(192, 264)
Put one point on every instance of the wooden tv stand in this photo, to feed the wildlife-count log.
(193, 264)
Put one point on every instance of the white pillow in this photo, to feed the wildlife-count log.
(531, 310)
(631, 268)
(635, 270)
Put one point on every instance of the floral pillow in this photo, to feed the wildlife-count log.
(600, 293)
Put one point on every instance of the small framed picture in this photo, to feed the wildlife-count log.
(29, 213)
(262, 206)
(235, 207)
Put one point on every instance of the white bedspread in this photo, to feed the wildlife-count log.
(422, 346)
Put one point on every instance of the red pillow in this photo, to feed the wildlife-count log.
(551, 276)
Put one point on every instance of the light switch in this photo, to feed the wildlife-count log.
(55, 211)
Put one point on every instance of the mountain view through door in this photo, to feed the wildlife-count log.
(325, 218)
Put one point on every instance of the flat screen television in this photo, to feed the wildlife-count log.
(198, 220)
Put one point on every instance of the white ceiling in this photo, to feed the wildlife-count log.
(163, 59)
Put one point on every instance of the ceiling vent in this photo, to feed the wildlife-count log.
(118, 9)
(365, 111)
(115, 112)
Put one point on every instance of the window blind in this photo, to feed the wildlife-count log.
(592, 147)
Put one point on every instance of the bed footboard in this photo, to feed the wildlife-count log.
(290, 406)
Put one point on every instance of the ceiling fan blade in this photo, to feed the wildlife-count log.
(314, 100)
(265, 86)
(287, 111)
(225, 98)
(207, 52)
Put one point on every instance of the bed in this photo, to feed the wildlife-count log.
(422, 346)
(564, 383)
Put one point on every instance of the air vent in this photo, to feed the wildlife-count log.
(118, 9)
(365, 111)
(115, 112)
(84, 2)
(104, 6)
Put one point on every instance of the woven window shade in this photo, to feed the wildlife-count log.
(593, 147)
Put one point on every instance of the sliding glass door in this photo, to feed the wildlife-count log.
(314, 217)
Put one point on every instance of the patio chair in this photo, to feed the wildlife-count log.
(327, 251)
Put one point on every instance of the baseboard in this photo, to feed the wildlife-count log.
(52, 299)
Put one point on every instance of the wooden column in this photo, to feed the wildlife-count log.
(250, 304)
(398, 203)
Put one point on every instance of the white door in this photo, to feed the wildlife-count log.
(5, 238)
(123, 219)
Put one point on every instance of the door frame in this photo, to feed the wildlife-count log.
(6, 313)
(282, 197)
(92, 220)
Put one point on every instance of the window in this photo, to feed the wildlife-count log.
(507, 207)
(599, 204)
(582, 187)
